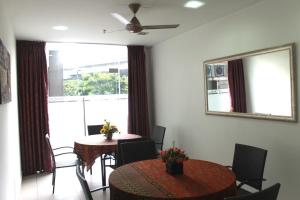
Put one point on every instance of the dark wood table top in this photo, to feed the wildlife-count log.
(149, 180)
(89, 148)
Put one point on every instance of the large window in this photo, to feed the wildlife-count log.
(87, 84)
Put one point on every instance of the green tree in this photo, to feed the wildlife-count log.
(98, 83)
(124, 84)
(71, 88)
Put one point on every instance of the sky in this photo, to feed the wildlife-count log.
(75, 55)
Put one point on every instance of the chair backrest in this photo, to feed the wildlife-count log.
(118, 153)
(249, 164)
(83, 182)
(47, 138)
(94, 129)
(138, 150)
(157, 135)
(270, 193)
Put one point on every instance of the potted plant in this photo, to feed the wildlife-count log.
(108, 130)
(174, 157)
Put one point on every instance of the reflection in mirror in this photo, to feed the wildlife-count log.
(258, 84)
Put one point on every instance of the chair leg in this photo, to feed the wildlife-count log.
(53, 180)
(103, 172)
(82, 168)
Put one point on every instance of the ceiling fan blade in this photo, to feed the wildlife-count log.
(119, 17)
(104, 31)
(160, 26)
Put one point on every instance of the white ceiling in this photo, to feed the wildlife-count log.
(34, 19)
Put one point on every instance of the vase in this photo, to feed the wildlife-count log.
(108, 136)
(174, 168)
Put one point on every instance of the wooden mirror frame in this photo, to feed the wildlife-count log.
(290, 47)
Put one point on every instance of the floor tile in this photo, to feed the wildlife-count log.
(67, 187)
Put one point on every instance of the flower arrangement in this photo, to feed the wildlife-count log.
(173, 154)
(108, 129)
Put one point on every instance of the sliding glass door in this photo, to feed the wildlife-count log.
(87, 84)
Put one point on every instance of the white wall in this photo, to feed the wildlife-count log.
(179, 91)
(267, 82)
(10, 169)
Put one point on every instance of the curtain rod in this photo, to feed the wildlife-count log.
(100, 43)
(88, 43)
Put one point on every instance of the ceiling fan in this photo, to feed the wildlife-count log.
(134, 26)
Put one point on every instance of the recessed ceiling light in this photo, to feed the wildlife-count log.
(60, 28)
(194, 4)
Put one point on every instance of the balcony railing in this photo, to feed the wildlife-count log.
(69, 116)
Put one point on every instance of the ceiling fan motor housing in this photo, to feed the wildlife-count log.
(134, 28)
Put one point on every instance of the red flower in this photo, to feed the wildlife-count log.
(173, 154)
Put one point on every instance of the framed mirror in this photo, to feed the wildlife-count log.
(257, 84)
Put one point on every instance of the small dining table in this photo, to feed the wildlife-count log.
(89, 148)
(148, 179)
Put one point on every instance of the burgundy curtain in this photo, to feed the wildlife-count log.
(237, 86)
(33, 106)
(138, 119)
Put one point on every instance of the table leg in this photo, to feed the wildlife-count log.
(103, 172)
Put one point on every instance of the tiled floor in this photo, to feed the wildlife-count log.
(67, 187)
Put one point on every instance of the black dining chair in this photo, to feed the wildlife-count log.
(269, 193)
(94, 130)
(62, 163)
(107, 159)
(248, 166)
(137, 150)
(157, 135)
(118, 153)
(118, 160)
(84, 185)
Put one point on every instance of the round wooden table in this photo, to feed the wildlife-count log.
(89, 148)
(149, 180)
